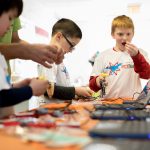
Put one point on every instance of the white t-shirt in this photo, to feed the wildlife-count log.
(57, 74)
(4, 84)
(123, 81)
(62, 77)
(4, 77)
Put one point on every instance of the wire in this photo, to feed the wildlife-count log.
(134, 94)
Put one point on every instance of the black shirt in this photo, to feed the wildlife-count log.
(12, 96)
(64, 93)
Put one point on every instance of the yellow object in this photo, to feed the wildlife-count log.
(42, 78)
(96, 94)
(50, 89)
(104, 74)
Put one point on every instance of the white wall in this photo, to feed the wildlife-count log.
(94, 17)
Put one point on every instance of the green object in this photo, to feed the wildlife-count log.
(96, 94)
(7, 38)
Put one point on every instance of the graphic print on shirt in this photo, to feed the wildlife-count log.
(7, 76)
(64, 70)
(115, 68)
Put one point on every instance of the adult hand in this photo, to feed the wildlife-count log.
(44, 54)
(83, 91)
(131, 49)
(38, 86)
(60, 54)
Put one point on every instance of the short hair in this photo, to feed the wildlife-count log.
(6, 5)
(67, 27)
(122, 21)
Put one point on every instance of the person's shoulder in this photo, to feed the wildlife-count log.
(109, 50)
(16, 24)
(105, 52)
(15, 21)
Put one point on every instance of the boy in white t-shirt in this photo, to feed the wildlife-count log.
(66, 34)
(124, 63)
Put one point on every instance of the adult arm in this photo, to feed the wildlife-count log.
(40, 53)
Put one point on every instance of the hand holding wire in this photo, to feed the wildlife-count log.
(101, 82)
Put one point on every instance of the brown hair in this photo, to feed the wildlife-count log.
(67, 27)
(122, 21)
(6, 5)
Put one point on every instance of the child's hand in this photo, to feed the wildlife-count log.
(100, 78)
(83, 91)
(22, 83)
(38, 86)
(131, 49)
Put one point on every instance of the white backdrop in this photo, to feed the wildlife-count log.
(93, 16)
